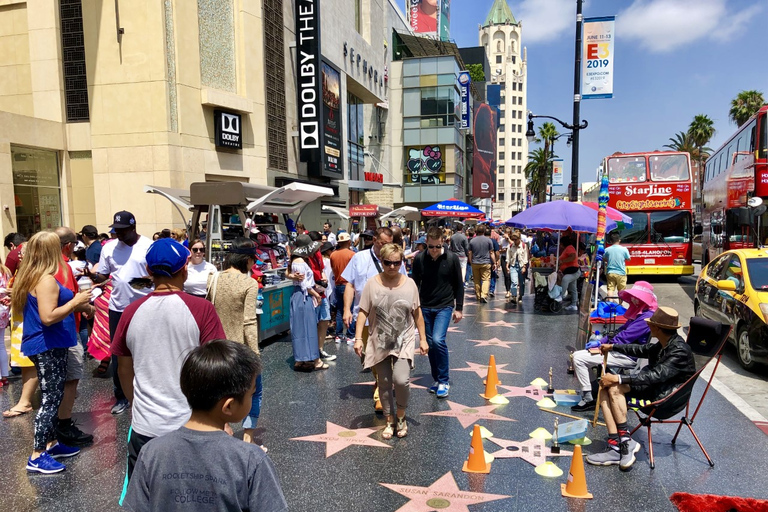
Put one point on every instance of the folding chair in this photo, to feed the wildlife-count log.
(706, 338)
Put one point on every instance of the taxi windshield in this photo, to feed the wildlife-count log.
(758, 273)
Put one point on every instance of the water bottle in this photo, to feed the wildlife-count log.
(594, 340)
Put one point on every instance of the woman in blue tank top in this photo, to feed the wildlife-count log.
(49, 330)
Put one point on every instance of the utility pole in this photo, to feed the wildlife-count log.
(576, 105)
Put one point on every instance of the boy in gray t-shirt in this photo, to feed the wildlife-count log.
(200, 467)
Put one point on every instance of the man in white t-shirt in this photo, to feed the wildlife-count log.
(123, 261)
(364, 265)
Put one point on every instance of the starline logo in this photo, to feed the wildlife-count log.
(648, 190)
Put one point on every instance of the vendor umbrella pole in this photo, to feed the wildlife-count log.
(599, 390)
(597, 281)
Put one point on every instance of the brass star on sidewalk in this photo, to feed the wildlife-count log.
(495, 342)
(533, 451)
(337, 438)
(482, 369)
(443, 495)
(469, 415)
(501, 323)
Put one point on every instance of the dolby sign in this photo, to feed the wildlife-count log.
(229, 129)
(308, 73)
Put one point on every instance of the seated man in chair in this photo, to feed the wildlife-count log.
(642, 304)
(671, 363)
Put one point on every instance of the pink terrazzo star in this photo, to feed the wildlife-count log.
(533, 392)
(501, 323)
(337, 438)
(533, 451)
(499, 310)
(454, 329)
(495, 342)
(482, 369)
(469, 415)
(442, 495)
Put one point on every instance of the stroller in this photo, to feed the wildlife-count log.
(548, 294)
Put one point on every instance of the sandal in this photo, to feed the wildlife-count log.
(303, 366)
(102, 369)
(13, 413)
(402, 427)
(387, 432)
(321, 366)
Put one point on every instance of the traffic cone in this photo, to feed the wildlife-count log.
(491, 381)
(576, 487)
(476, 462)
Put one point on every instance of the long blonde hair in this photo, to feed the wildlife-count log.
(42, 257)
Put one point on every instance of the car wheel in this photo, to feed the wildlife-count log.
(743, 349)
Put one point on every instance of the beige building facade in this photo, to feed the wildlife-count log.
(99, 99)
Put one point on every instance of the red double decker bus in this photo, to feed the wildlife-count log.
(733, 174)
(654, 189)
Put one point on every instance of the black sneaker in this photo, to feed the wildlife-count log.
(586, 406)
(73, 436)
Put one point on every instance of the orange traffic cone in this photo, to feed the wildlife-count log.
(576, 487)
(491, 381)
(476, 462)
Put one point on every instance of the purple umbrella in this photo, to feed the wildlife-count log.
(559, 216)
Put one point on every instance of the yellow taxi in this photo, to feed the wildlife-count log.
(733, 289)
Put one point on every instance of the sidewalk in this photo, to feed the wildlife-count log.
(344, 469)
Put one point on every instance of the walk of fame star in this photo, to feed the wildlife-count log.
(501, 323)
(443, 495)
(412, 385)
(469, 415)
(337, 438)
(533, 451)
(482, 369)
(454, 329)
(533, 392)
(495, 342)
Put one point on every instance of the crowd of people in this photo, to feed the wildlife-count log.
(66, 294)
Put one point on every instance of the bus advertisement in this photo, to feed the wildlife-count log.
(735, 173)
(655, 190)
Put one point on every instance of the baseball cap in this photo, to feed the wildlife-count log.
(343, 237)
(89, 230)
(369, 233)
(166, 256)
(123, 219)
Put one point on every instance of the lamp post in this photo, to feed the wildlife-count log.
(531, 136)
(552, 153)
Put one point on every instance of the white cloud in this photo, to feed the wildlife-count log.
(546, 20)
(664, 25)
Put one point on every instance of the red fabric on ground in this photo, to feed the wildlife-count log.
(712, 503)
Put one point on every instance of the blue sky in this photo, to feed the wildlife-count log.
(673, 59)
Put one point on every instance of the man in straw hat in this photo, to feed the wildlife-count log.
(642, 304)
(671, 363)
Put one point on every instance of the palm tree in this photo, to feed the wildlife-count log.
(683, 142)
(547, 133)
(744, 106)
(701, 130)
(539, 162)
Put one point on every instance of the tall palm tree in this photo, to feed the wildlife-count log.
(701, 130)
(539, 162)
(682, 141)
(744, 106)
(547, 133)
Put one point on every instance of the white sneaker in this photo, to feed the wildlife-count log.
(338, 339)
(350, 341)
(571, 308)
(326, 356)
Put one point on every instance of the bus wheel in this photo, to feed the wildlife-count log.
(744, 350)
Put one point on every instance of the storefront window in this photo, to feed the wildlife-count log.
(355, 137)
(36, 189)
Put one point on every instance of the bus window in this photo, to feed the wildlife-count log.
(669, 168)
(626, 169)
(638, 233)
(670, 227)
(762, 151)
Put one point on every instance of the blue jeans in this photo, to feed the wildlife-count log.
(339, 292)
(436, 322)
(83, 335)
(517, 281)
(252, 419)
(494, 278)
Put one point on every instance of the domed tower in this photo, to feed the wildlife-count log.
(501, 36)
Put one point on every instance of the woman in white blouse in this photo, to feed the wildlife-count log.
(198, 270)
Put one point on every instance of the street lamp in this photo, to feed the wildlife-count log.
(573, 137)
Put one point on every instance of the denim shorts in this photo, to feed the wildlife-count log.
(323, 311)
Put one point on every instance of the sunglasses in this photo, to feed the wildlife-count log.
(388, 263)
(434, 246)
(197, 249)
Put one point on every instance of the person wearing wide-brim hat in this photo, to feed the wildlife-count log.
(671, 364)
(642, 304)
(304, 299)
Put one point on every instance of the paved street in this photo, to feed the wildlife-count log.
(341, 463)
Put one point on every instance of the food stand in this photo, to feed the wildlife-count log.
(237, 209)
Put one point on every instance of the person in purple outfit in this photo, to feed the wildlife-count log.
(642, 304)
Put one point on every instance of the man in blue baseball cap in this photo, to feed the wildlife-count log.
(153, 337)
